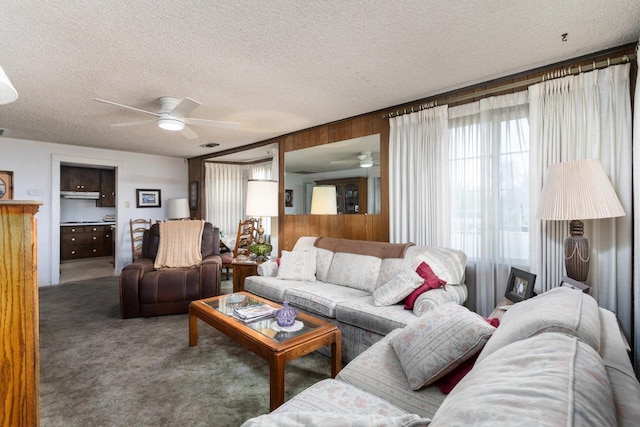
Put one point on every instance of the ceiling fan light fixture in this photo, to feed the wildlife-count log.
(366, 162)
(170, 123)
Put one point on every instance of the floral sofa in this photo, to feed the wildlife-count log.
(554, 360)
(346, 281)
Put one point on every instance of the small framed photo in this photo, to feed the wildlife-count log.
(193, 195)
(148, 198)
(520, 285)
(288, 198)
(568, 282)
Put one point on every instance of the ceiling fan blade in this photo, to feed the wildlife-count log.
(185, 106)
(188, 133)
(343, 162)
(212, 123)
(125, 106)
(143, 122)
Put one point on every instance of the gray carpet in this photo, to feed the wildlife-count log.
(97, 369)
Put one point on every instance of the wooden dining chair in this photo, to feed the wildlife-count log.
(137, 227)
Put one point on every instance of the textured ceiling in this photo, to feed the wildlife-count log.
(273, 66)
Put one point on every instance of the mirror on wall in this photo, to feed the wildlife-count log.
(353, 166)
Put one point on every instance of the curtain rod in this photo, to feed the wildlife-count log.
(561, 72)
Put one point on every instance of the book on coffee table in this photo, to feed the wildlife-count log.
(254, 312)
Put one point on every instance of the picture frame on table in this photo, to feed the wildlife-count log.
(148, 198)
(568, 282)
(520, 285)
(193, 195)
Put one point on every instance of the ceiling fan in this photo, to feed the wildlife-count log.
(172, 116)
(364, 159)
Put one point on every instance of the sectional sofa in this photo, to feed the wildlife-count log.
(555, 360)
(338, 280)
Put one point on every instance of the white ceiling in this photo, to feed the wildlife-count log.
(274, 66)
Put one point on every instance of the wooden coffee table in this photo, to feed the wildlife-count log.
(259, 337)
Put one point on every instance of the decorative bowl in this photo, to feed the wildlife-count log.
(236, 299)
(286, 316)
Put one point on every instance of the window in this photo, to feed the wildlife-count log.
(489, 183)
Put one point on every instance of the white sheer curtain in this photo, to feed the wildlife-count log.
(576, 117)
(264, 171)
(225, 196)
(417, 177)
(636, 230)
(489, 182)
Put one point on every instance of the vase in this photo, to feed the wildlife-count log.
(286, 316)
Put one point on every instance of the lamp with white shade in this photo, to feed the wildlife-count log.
(323, 200)
(178, 209)
(262, 200)
(575, 191)
(8, 93)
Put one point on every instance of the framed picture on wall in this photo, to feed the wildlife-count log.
(148, 198)
(6, 185)
(193, 195)
(288, 198)
(520, 285)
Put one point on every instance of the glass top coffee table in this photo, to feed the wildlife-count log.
(264, 338)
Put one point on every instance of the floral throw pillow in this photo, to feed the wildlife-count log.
(396, 289)
(297, 265)
(437, 342)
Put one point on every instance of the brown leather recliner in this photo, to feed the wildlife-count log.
(148, 292)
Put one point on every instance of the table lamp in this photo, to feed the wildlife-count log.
(178, 209)
(262, 200)
(575, 191)
(323, 200)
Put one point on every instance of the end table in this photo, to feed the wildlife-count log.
(242, 268)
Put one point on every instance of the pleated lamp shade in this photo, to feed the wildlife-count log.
(575, 191)
(578, 190)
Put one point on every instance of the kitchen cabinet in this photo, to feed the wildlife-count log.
(107, 189)
(85, 241)
(73, 178)
(351, 194)
(19, 328)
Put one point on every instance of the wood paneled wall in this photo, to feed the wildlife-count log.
(373, 227)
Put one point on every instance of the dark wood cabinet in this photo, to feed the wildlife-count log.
(107, 188)
(85, 241)
(351, 194)
(74, 178)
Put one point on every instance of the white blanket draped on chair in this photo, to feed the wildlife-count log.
(180, 243)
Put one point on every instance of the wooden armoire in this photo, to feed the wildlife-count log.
(19, 330)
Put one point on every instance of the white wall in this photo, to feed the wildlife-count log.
(36, 176)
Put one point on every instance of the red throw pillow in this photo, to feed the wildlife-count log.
(431, 281)
(429, 276)
(413, 296)
(449, 381)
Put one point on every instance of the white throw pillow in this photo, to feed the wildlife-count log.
(437, 342)
(297, 265)
(397, 289)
